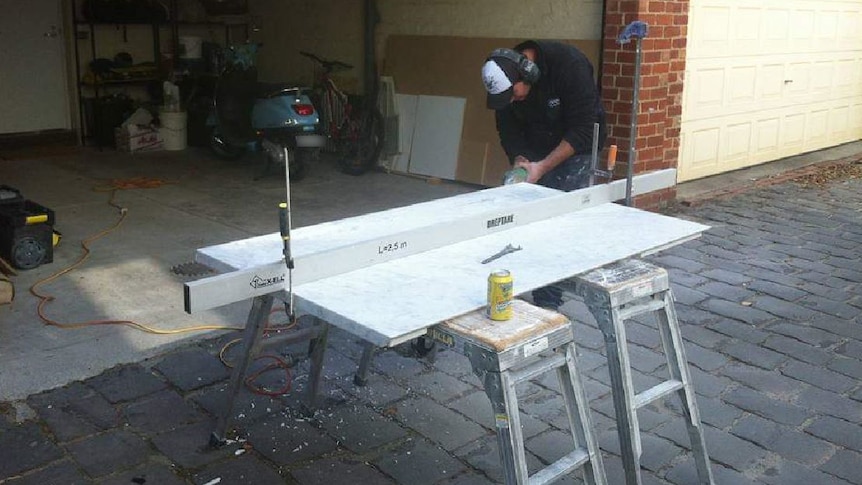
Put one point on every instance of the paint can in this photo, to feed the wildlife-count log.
(173, 129)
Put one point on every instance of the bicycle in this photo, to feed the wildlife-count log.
(355, 129)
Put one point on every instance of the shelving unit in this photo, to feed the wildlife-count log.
(143, 38)
(97, 105)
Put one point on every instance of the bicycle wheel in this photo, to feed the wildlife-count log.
(359, 153)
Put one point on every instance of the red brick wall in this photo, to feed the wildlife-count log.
(661, 80)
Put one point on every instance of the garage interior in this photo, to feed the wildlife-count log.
(67, 170)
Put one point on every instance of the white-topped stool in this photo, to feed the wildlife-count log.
(504, 353)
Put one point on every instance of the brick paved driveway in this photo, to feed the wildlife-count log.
(770, 305)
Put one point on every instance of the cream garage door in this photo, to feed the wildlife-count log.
(769, 79)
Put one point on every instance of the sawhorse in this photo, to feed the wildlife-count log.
(250, 346)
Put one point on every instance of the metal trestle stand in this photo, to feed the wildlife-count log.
(614, 294)
(504, 353)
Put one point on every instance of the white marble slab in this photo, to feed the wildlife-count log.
(348, 244)
(376, 226)
(394, 301)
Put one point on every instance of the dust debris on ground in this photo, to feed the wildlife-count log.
(827, 174)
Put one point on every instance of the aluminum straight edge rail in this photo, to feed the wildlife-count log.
(248, 283)
(633, 129)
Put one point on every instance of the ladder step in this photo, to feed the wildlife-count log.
(561, 467)
(538, 368)
(657, 392)
(640, 308)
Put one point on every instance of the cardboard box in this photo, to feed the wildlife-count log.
(135, 138)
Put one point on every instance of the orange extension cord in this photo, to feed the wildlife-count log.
(147, 183)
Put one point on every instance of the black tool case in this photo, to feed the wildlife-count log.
(26, 230)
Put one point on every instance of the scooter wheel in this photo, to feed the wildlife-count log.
(224, 150)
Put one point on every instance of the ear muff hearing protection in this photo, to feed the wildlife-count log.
(527, 69)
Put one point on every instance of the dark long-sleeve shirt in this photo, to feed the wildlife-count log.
(563, 104)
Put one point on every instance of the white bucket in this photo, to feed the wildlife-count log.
(191, 47)
(173, 129)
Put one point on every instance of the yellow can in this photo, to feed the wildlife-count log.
(500, 295)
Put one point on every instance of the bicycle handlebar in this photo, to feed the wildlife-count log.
(328, 66)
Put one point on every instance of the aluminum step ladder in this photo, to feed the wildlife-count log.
(504, 353)
(616, 293)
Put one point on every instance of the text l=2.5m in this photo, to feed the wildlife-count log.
(391, 247)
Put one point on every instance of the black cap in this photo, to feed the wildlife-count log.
(499, 75)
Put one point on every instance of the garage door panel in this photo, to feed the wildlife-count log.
(715, 87)
(827, 25)
(823, 76)
(703, 149)
(802, 28)
(743, 84)
(706, 90)
(776, 23)
(747, 24)
(856, 118)
(722, 26)
(839, 124)
(845, 80)
(714, 27)
(744, 143)
(799, 77)
(848, 25)
(816, 135)
(736, 91)
(771, 79)
(793, 132)
(788, 71)
(766, 135)
(737, 142)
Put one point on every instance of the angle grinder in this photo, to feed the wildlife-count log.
(514, 176)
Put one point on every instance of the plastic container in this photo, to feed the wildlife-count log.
(26, 233)
(173, 130)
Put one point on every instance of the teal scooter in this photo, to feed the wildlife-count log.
(253, 116)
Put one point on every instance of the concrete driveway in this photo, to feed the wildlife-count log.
(127, 274)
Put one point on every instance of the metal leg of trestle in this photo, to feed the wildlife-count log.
(503, 354)
(361, 377)
(318, 353)
(422, 347)
(614, 294)
(254, 327)
(250, 346)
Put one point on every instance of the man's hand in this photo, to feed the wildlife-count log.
(535, 170)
